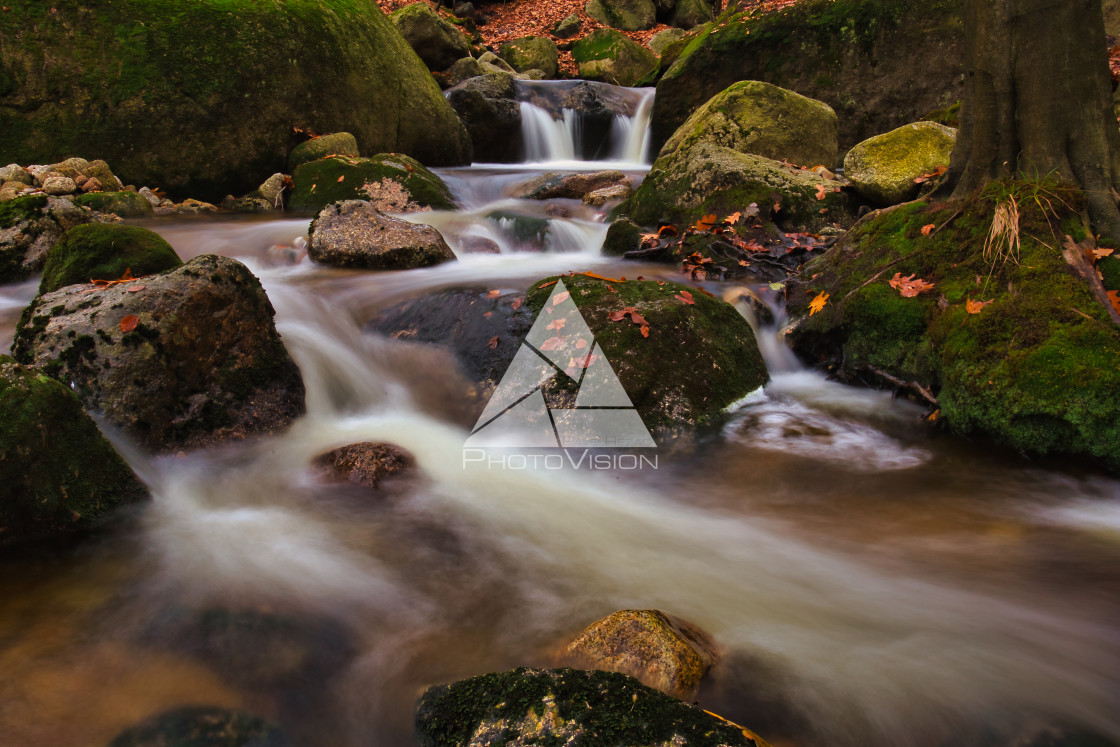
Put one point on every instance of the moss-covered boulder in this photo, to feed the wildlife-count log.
(200, 726)
(567, 27)
(123, 204)
(396, 182)
(200, 98)
(883, 168)
(662, 652)
(489, 108)
(566, 706)
(436, 40)
(628, 15)
(1034, 368)
(708, 178)
(693, 356)
(334, 144)
(29, 227)
(58, 474)
(660, 41)
(354, 233)
(105, 251)
(608, 56)
(689, 14)
(624, 235)
(531, 53)
(187, 358)
(760, 118)
(877, 63)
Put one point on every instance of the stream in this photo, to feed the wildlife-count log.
(870, 581)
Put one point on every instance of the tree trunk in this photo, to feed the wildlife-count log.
(1038, 100)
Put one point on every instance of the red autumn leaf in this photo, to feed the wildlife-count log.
(618, 316)
(129, 323)
(493, 342)
(545, 285)
(581, 344)
(611, 288)
(822, 192)
(685, 297)
(927, 228)
(516, 303)
(553, 343)
(560, 298)
(637, 318)
(909, 286)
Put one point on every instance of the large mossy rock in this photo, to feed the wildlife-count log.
(97, 251)
(610, 57)
(489, 108)
(877, 63)
(531, 53)
(694, 360)
(571, 707)
(628, 15)
(661, 652)
(1035, 369)
(29, 227)
(122, 204)
(354, 233)
(187, 358)
(705, 179)
(58, 474)
(201, 97)
(437, 41)
(760, 118)
(200, 726)
(394, 181)
(883, 168)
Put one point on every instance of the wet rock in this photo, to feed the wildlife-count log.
(662, 652)
(58, 474)
(365, 463)
(334, 144)
(272, 189)
(395, 183)
(192, 206)
(353, 233)
(123, 204)
(488, 107)
(608, 56)
(764, 120)
(624, 235)
(184, 359)
(153, 199)
(555, 185)
(531, 53)
(59, 185)
(628, 15)
(567, 27)
(602, 196)
(479, 245)
(482, 330)
(492, 63)
(525, 707)
(248, 205)
(29, 226)
(883, 168)
(200, 726)
(437, 41)
(105, 252)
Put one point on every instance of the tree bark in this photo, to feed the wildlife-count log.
(1038, 101)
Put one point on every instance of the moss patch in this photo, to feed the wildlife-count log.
(124, 204)
(104, 251)
(319, 183)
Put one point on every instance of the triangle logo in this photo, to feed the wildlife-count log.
(560, 349)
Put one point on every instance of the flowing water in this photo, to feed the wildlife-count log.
(869, 582)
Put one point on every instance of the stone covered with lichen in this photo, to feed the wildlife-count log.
(1035, 368)
(187, 358)
(531, 53)
(610, 57)
(394, 182)
(29, 227)
(765, 120)
(58, 474)
(883, 168)
(354, 233)
(437, 41)
(572, 707)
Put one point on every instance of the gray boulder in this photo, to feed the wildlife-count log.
(29, 226)
(488, 107)
(353, 233)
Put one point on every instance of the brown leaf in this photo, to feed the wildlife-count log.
(493, 342)
(494, 294)
(821, 192)
(1101, 252)
(1114, 299)
(927, 228)
(129, 323)
(135, 288)
(645, 330)
(975, 307)
(909, 286)
(685, 297)
(557, 324)
(553, 343)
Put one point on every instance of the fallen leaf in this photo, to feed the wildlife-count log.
(553, 343)
(597, 276)
(935, 173)
(560, 298)
(581, 344)
(493, 342)
(645, 330)
(975, 307)
(341, 178)
(672, 231)
(706, 223)
(685, 297)
(545, 285)
(129, 323)
(1101, 252)
(909, 286)
(733, 218)
(516, 303)
(557, 324)
(818, 303)
(927, 228)
(821, 192)
(135, 288)
(1115, 299)
(494, 294)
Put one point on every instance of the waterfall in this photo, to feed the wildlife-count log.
(548, 139)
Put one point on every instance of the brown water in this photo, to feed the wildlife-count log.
(871, 582)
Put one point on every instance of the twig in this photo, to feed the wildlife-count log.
(913, 386)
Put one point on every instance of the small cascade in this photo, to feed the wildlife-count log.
(547, 139)
(630, 136)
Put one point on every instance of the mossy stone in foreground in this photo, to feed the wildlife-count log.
(58, 474)
(317, 184)
(199, 726)
(883, 168)
(571, 707)
(124, 204)
(698, 358)
(1037, 369)
(103, 251)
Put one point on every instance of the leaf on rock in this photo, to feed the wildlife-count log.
(553, 343)
(341, 178)
(927, 228)
(821, 192)
(706, 223)
(733, 218)
(129, 323)
(560, 298)
(557, 324)
(1114, 298)
(909, 286)
(931, 175)
(545, 285)
(597, 276)
(685, 297)
(818, 303)
(516, 303)
(1101, 252)
(975, 307)
(493, 342)
(645, 330)
(494, 294)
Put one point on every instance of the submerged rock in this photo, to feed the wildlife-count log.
(883, 168)
(608, 56)
(200, 726)
(354, 233)
(395, 182)
(556, 184)
(58, 474)
(105, 252)
(576, 708)
(366, 463)
(187, 358)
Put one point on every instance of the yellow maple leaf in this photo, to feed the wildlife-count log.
(975, 307)
(818, 303)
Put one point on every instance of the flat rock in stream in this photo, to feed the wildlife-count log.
(365, 463)
(354, 233)
(554, 185)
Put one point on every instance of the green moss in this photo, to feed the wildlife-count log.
(598, 708)
(603, 44)
(1110, 271)
(948, 116)
(319, 183)
(124, 204)
(104, 251)
(20, 209)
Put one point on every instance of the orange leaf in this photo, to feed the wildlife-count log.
(581, 344)
(136, 288)
(733, 218)
(556, 324)
(685, 297)
(597, 276)
(909, 286)
(706, 223)
(560, 298)
(129, 323)
(645, 330)
(818, 303)
(493, 342)
(821, 192)
(1115, 299)
(974, 307)
(545, 285)
(341, 178)
(1101, 252)
(494, 294)
(667, 229)
(516, 303)
(927, 228)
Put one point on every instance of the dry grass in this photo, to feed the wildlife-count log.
(1002, 244)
